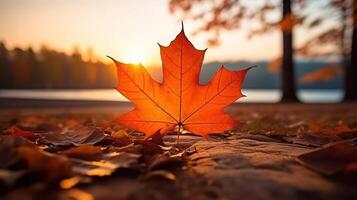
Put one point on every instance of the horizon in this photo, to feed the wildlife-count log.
(107, 60)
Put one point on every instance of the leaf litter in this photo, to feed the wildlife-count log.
(116, 151)
(72, 154)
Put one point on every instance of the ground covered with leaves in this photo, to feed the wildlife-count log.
(280, 151)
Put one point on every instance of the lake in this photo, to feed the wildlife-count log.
(261, 96)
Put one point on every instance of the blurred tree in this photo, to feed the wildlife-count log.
(91, 70)
(5, 74)
(341, 37)
(20, 69)
(53, 70)
(351, 69)
(222, 15)
(288, 83)
(65, 65)
(77, 69)
(36, 69)
(106, 75)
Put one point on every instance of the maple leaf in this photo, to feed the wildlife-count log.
(180, 101)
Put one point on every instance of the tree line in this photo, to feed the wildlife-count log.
(51, 69)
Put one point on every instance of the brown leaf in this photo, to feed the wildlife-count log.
(148, 147)
(121, 138)
(162, 161)
(104, 167)
(85, 152)
(69, 182)
(9, 155)
(22, 133)
(75, 136)
(161, 174)
(314, 127)
(75, 194)
(9, 177)
(157, 138)
(53, 167)
(335, 158)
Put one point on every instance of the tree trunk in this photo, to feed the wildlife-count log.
(288, 83)
(351, 69)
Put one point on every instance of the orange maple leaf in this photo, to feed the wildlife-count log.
(179, 101)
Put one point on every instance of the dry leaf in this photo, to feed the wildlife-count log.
(9, 177)
(85, 152)
(162, 161)
(334, 158)
(8, 145)
(76, 194)
(157, 139)
(121, 138)
(162, 174)
(53, 167)
(314, 127)
(105, 167)
(69, 182)
(22, 133)
(75, 136)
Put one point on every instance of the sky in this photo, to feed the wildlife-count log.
(126, 30)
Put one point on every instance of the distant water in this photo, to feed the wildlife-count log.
(268, 96)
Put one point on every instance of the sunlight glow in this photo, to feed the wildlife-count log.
(135, 58)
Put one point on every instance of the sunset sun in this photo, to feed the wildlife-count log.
(134, 58)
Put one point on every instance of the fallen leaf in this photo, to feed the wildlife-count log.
(334, 158)
(75, 194)
(22, 133)
(52, 167)
(9, 177)
(309, 138)
(72, 123)
(105, 167)
(69, 182)
(343, 128)
(123, 159)
(74, 136)
(147, 147)
(8, 149)
(92, 168)
(314, 127)
(157, 139)
(180, 101)
(333, 132)
(161, 174)
(85, 152)
(121, 138)
(162, 161)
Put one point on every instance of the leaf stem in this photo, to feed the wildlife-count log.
(178, 135)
